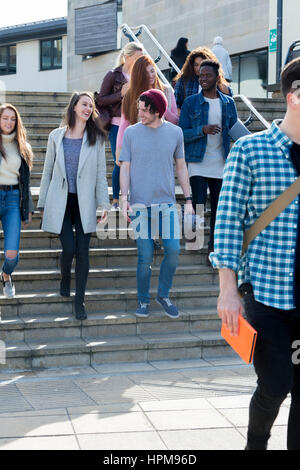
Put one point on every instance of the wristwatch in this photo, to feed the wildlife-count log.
(189, 198)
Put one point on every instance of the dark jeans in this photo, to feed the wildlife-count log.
(78, 246)
(199, 186)
(113, 133)
(277, 364)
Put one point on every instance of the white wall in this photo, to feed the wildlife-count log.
(290, 30)
(29, 77)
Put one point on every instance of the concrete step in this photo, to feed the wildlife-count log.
(37, 327)
(60, 340)
(261, 104)
(36, 177)
(34, 238)
(85, 351)
(42, 117)
(35, 190)
(103, 300)
(38, 106)
(109, 257)
(40, 128)
(116, 278)
(45, 98)
(40, 153)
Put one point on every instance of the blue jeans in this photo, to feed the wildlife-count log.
(113, 132)
(147, 223)
(11, 223)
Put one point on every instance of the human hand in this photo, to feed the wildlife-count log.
(103, 218)
(230, 306)
(188, 208)
(125, 208)
(212, 129)
(125, 88)
(28, 221)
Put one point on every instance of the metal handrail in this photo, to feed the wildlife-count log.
(253, 110)
(129, 30)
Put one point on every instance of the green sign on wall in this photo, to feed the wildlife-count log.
(273, 40)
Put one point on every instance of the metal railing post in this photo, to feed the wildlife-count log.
(142, 27)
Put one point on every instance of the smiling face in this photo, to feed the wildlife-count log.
(151, 74)
(208, 78)
(146, 117)
(8, 121)
(84, 108)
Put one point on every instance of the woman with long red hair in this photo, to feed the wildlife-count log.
(15, 197)
(143, 77)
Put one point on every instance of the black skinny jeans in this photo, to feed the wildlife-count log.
(199, 186)
(277, 365)
(78, 246)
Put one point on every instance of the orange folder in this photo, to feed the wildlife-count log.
(244, 343)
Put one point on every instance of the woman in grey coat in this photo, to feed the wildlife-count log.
(73, 186)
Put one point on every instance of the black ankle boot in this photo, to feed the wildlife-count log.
(80, 312)
(65, 287)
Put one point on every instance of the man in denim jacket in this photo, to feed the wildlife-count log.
(206, 119)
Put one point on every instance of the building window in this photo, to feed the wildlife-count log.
(8, 60)
(51, 54)
(250, 74)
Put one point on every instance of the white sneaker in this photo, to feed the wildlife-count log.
(8, 289)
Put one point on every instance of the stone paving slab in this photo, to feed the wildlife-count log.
(12, 400)
(148, 440)
(162, 405)
(54, 394)
(110, 422)
(40, 443)
(35, 426)
(204, 439)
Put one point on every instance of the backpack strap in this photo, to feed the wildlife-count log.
(277, 206)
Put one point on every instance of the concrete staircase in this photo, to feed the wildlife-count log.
(38, 328)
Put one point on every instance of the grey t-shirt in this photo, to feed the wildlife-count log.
(151, 153)
(72, 149)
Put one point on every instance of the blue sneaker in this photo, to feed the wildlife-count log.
(142, 311)
(168, 307)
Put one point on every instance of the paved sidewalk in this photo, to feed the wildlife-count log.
(163, 405)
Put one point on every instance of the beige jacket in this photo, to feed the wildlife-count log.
(92, 187)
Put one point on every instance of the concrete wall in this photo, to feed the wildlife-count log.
(85, 74)
(243, 24)
(29, 77)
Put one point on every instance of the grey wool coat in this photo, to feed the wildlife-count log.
(92, 190)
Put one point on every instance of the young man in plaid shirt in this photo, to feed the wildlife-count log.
(259, 168)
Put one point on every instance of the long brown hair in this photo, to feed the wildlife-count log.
(139, 82)
(21, 138)
(70, 117)
(187, 71)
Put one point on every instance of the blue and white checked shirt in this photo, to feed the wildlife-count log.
(258, 169)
